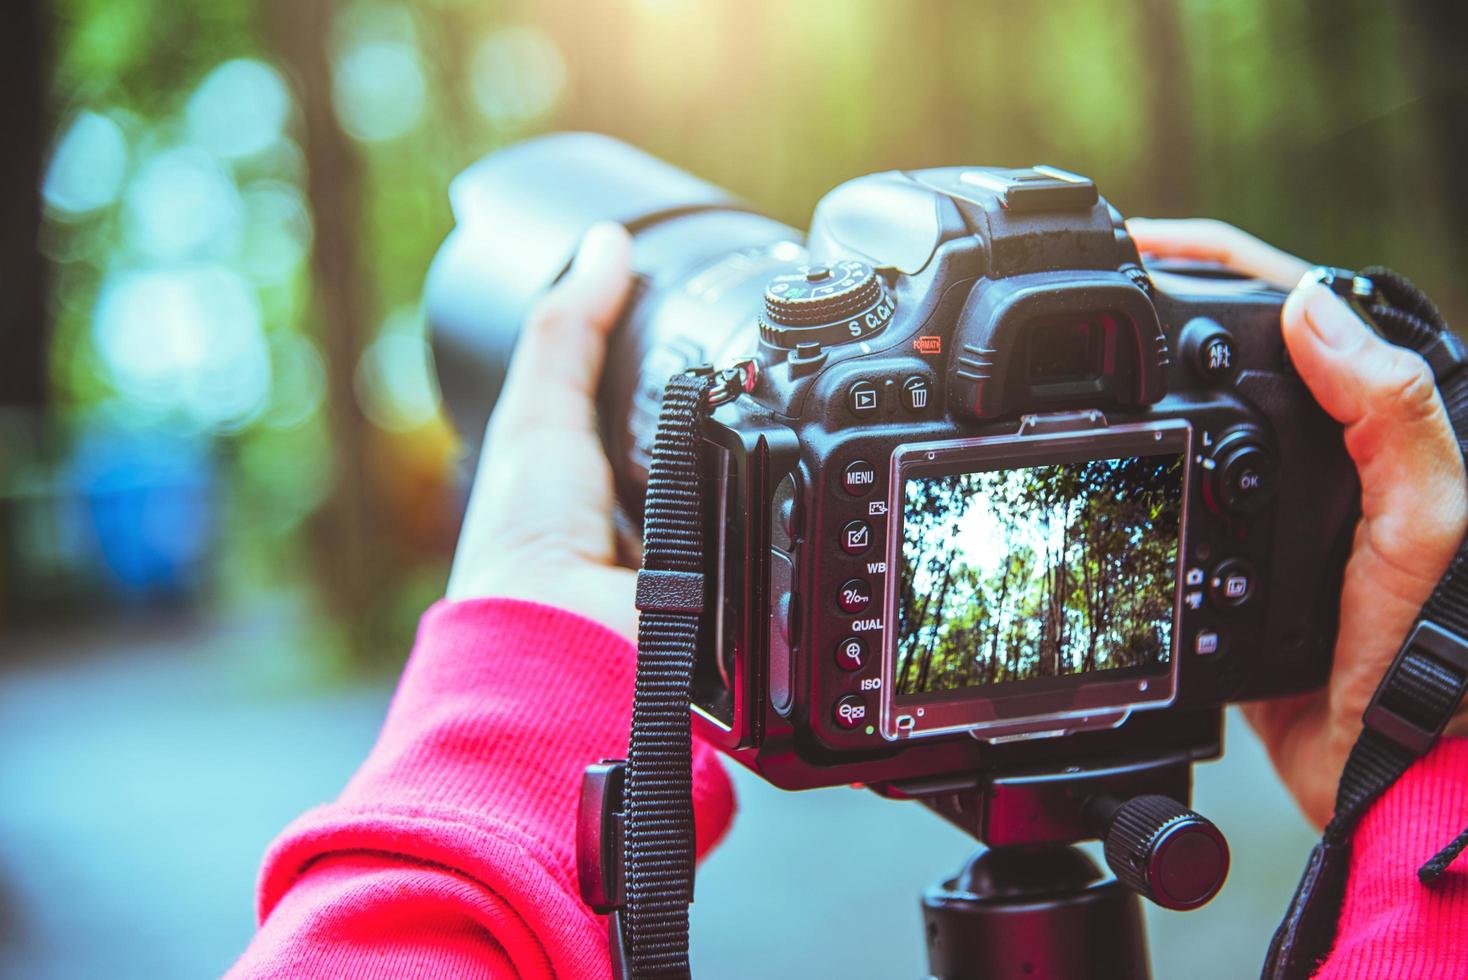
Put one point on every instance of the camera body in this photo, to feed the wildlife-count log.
(1002, 498)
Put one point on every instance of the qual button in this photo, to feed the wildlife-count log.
(851, 653)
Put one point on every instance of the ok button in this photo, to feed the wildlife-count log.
(855, 595)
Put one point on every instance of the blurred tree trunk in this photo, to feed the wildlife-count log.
(347, 536)
(24, 54)
(1441, 63)
(1170, 157)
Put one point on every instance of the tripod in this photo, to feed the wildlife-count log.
(1033, 906)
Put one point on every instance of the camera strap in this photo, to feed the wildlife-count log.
(635, 837)
(1421, 690)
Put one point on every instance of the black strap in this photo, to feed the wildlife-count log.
(1422, 688)
(636, 832)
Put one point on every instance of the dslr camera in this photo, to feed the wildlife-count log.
(1002, 500)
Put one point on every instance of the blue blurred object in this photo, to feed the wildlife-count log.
(127, 518)
(147, 498)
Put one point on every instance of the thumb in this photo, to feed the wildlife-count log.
(1396, 430)
(558, 359)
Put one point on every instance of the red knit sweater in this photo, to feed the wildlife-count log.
(450, 853)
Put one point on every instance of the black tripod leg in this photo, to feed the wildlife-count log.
(1034, 913)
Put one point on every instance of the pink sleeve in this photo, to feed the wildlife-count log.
(1391, 924)
(451, 851)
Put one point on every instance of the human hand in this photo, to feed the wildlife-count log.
(539, 522)
(1414, 499)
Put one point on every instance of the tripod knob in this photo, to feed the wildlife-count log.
(1166, 852)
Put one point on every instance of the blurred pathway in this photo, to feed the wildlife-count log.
(144, 768)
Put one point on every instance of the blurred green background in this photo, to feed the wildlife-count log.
(226, 490)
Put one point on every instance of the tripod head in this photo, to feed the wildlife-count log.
(1154, 843)
(1032, 904)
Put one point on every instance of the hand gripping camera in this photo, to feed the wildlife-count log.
(1005, 516)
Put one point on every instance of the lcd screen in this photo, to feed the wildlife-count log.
(1009, 577)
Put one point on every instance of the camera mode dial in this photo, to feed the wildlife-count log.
(828, 304)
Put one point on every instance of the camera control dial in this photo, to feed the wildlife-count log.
(830, 304)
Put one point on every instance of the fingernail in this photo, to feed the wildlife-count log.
(1331, 320)
(601, 244)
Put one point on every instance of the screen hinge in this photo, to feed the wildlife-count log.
(1038, 425)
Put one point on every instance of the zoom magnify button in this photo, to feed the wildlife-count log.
(851, 711)
(851, 653)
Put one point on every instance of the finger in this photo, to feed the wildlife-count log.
(553, 375)
(1396, 430)
(1207, 240)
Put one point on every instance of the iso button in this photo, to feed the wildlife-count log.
(851, 711)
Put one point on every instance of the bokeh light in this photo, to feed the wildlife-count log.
(517, 75)
(277, 232)
(87, 167)
(186, 341)
(183, 203)
(298, 381)
(239, 109)
(380, 90)
(395, 383)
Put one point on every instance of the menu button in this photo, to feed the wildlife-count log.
(859, 479)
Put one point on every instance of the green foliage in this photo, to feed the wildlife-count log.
(1312, 124)
(1014, 574)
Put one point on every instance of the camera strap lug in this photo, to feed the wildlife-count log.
(729, 383)
(1427, 679)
